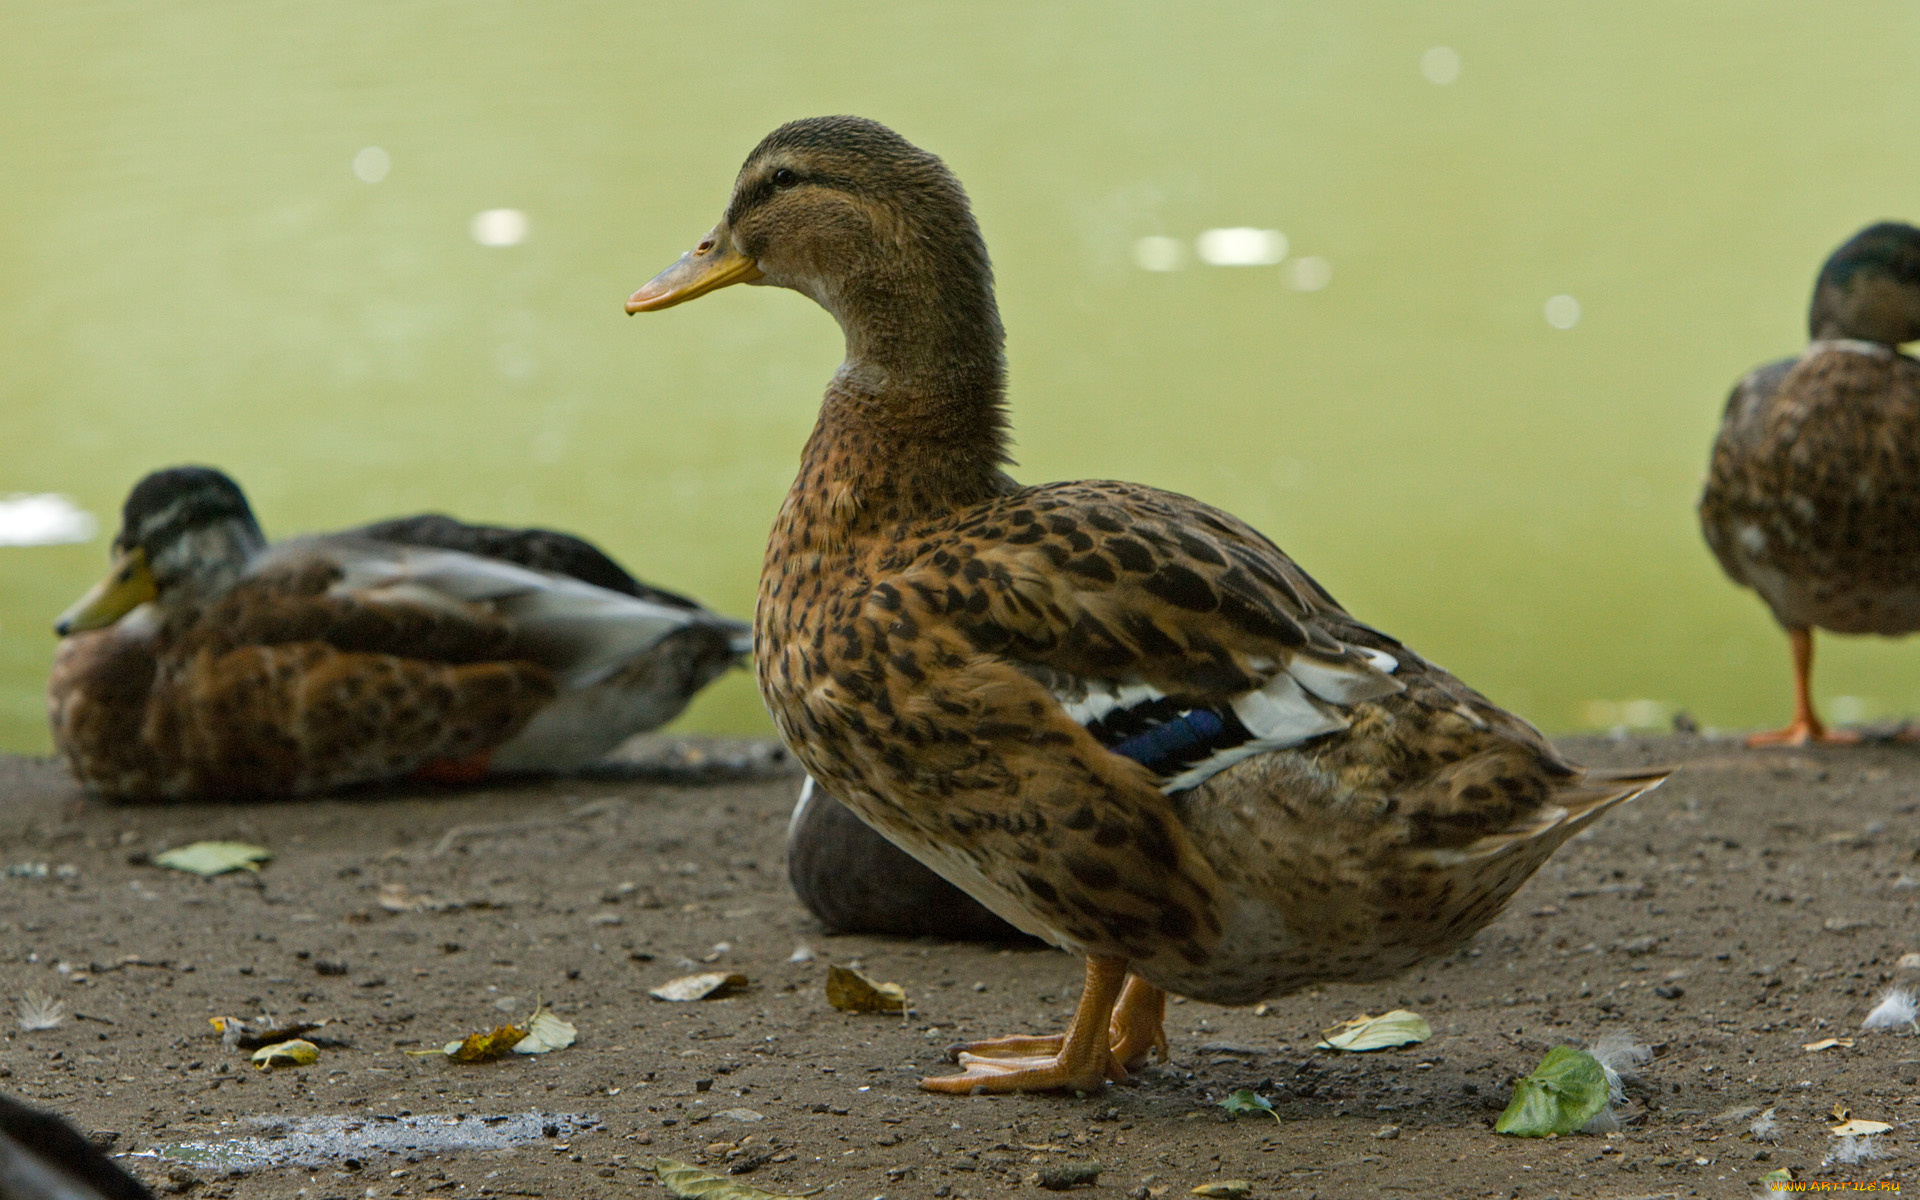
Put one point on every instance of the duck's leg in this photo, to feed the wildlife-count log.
(1082, 1060)
(1806, 726)
(1138, 1027)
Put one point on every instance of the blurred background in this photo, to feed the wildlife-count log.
(1446, 299)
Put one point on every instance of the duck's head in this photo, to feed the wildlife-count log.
(848, 212)
(1869, 288)
(184, 532)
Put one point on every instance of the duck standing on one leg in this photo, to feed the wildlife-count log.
(1813, 493)
(1121, 719)
(210, 665)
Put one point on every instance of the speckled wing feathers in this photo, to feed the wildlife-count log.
(1116, 581)
(1813, 491)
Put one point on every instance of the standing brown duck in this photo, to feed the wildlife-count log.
(1813, 494)
(1121, 719)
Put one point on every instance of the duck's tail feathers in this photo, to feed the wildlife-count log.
(1571, 809)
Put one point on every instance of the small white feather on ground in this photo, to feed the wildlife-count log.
(1898, 1009)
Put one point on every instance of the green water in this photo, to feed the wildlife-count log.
(191, 270)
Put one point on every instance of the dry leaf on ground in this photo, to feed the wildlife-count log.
(1826, 1044)
(850, 991)
(545, 1032)
(296, 1053)
(213, 858)
(1362, 1033)
(538, 1034)
(1228, 1189)
(1859, 1128)
(497, 1042)
(708, 985)
(688, 1182)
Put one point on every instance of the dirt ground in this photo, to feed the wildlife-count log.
(1758, 902)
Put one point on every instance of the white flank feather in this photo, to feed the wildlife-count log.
(1348, 683)
(800, 808)
(584, 633)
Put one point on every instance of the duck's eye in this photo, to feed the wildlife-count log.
(784, 178)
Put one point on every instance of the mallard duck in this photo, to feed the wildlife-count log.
(44, 1158)
(1813, 493)
(856, 881)
(1121, 719)
(209, 664)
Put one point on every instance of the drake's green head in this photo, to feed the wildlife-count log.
(1869, 288)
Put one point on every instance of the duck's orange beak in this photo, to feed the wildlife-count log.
(714, 263)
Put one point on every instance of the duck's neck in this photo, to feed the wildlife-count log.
(204, 563)
(914, 422)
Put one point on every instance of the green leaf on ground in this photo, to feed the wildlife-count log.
(213, 858)
(1565, 1091)
(1246, 1101)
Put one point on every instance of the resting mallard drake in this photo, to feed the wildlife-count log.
(1813, 493)
(1121, 719)
(210, 665)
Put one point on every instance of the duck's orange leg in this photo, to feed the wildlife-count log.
(1138, 1027)
(1134, 1032)
(1082, 1060)
(1806, 727)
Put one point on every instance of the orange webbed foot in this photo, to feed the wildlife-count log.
(1026, 1073)
(1080, 1060)
(1804, 733)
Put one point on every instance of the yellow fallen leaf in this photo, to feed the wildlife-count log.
(705, 986)
(850, 991)
(688, 1182)
(497, 1042)
(545, 1032)
(296, 1053)
(1859, 1128)
(1364, 1032)
(1827, 1044)
(1230, 1188)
